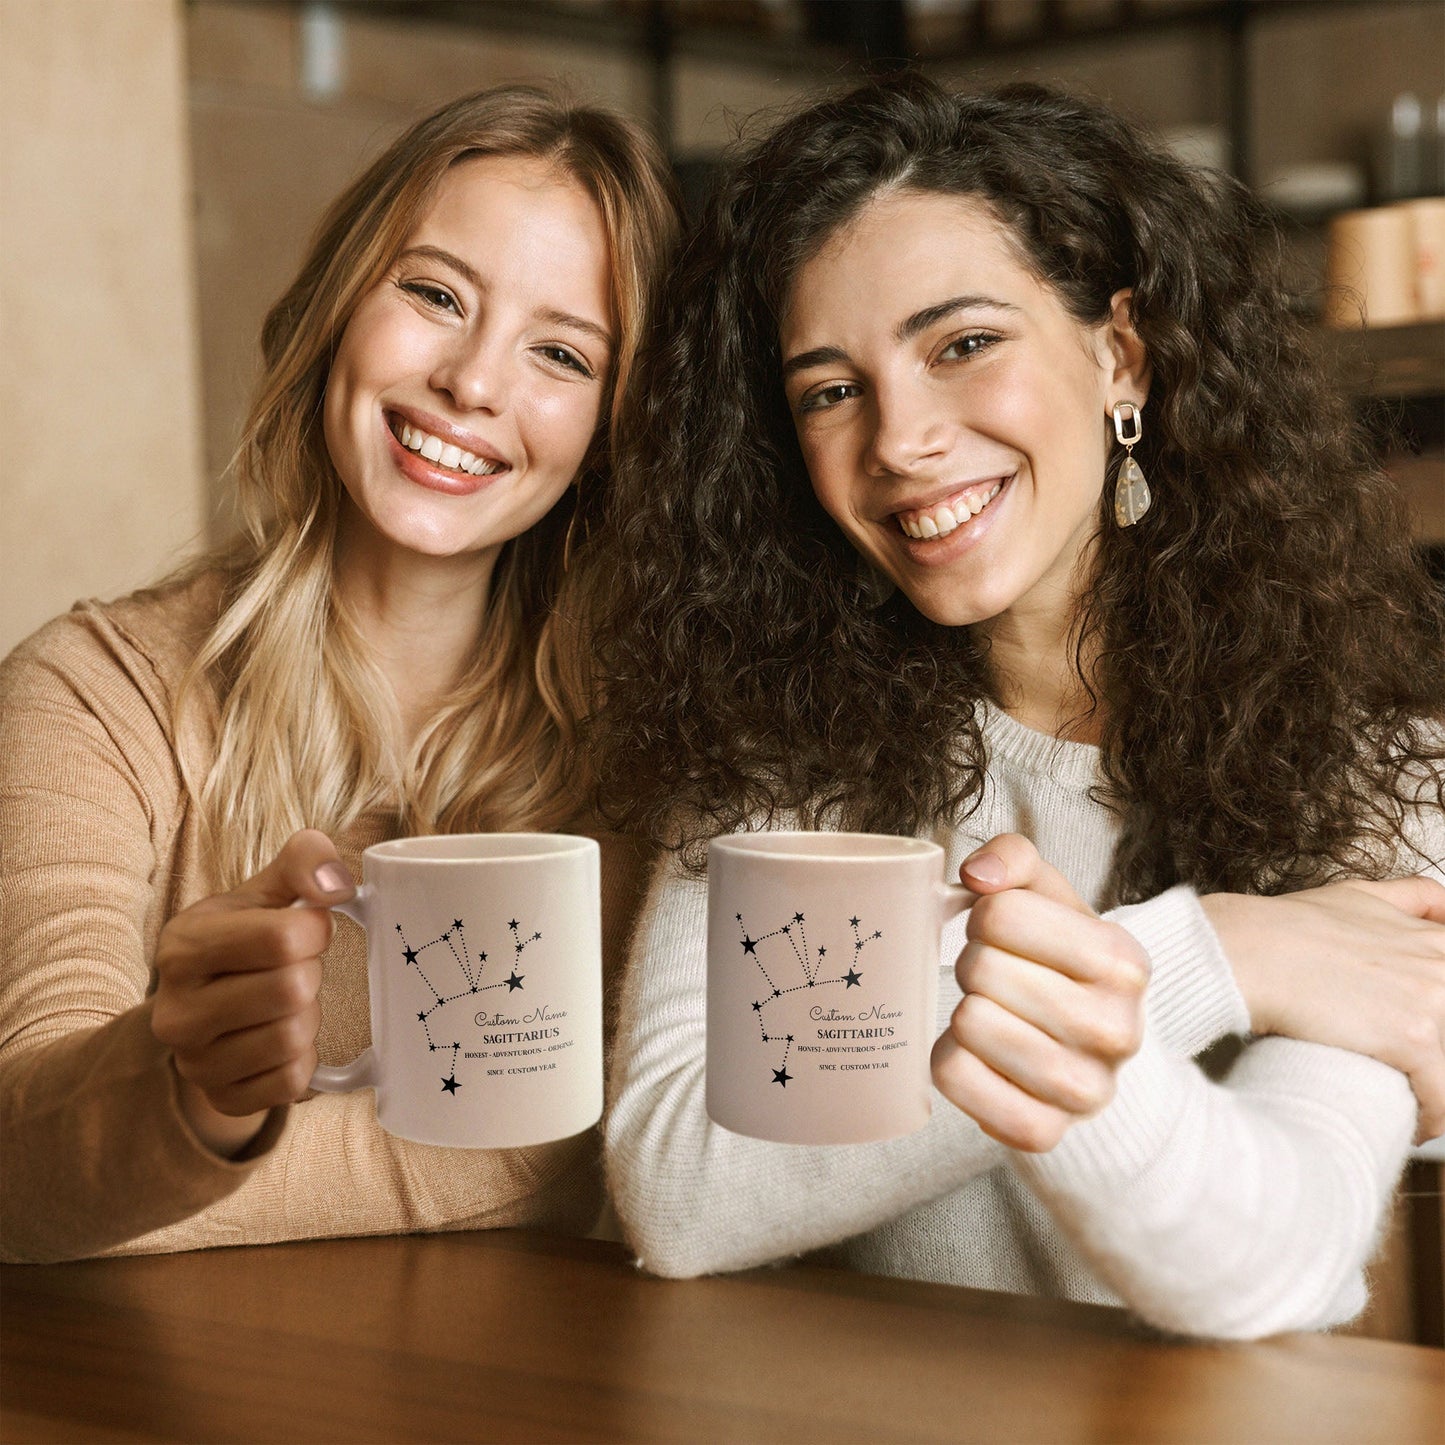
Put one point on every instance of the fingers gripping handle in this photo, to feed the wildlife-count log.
(360, 1073)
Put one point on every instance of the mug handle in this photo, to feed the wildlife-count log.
(360, 1073)
(952, 899)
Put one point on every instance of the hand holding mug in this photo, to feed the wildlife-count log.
(1053, 1002)
(238, 976)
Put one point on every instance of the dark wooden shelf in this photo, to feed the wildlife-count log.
(1390, 362)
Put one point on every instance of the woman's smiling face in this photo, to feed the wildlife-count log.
(469, 382)
(951, 411)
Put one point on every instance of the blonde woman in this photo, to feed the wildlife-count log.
(391, 647)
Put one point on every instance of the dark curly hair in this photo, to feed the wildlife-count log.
(1267, 676)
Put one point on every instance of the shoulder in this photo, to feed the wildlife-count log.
(111, 669)
(148, 638)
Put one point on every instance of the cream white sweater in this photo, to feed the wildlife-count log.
(1234, 1209)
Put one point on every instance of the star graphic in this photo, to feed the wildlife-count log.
(777, 994)
(750, 945)
(514, 981)
(421, 1018)
(409, 954)
(450, 1086)
(482, 956)
(854, 922)
(790, 1038)
(781, 1076)
(456, 922)
(822, 953)
(757, 1008)
(851, 978)
(797, 918)
(512, 924)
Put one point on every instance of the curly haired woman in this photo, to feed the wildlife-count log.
(391, 648)
(985, 487)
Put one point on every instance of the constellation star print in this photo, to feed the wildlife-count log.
(455, 939)
(808, 966)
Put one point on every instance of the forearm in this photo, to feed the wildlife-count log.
(97, 1150)
(1234, 1211)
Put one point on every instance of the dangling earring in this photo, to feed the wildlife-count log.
(1131, 491)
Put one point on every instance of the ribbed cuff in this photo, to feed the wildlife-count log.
(1193, 1000)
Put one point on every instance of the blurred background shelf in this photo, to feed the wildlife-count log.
(1392, 362)
(1397, 376)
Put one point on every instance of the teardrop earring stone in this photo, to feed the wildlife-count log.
(1131, 494)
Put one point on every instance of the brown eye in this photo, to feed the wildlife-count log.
(827, 397)
(437, 297)
(563, 357)
(963, 347)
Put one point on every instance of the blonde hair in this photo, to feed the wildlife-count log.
(309, 733)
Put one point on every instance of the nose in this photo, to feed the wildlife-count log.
(477, 373)
(910, 428)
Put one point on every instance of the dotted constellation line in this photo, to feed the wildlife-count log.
(470, 968)
(809, 964)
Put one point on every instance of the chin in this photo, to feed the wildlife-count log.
(949, 611)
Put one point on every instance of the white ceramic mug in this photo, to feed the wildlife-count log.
(822, 981)
(484, 962)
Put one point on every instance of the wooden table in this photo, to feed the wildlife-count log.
(510, 1336)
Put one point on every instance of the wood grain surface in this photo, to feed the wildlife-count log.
(521, 1337)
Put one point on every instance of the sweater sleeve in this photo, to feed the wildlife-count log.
(98, 1156)
(97, 1150)
(1193, 1000)
(1240, 1209)
(1247, 1207)
(693, 1197)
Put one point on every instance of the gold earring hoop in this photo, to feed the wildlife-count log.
(1132, 497)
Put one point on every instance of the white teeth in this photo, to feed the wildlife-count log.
(941, 519)
(444, 453)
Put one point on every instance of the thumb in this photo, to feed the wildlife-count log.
(1011, 861)
(307, 870)
(1418, 896)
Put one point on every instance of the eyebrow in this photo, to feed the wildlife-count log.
(906, 330)
(920, 321)
(473, 278)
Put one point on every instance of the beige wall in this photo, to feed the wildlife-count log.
(99, 462)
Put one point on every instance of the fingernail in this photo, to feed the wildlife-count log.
(332, 878)
(986, 868)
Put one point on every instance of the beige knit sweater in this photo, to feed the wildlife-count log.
(99, 846)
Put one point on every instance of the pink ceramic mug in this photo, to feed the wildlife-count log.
(822, 983)
(484, 964)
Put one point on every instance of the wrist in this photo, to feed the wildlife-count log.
(1232, 916)
(226, 1135)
